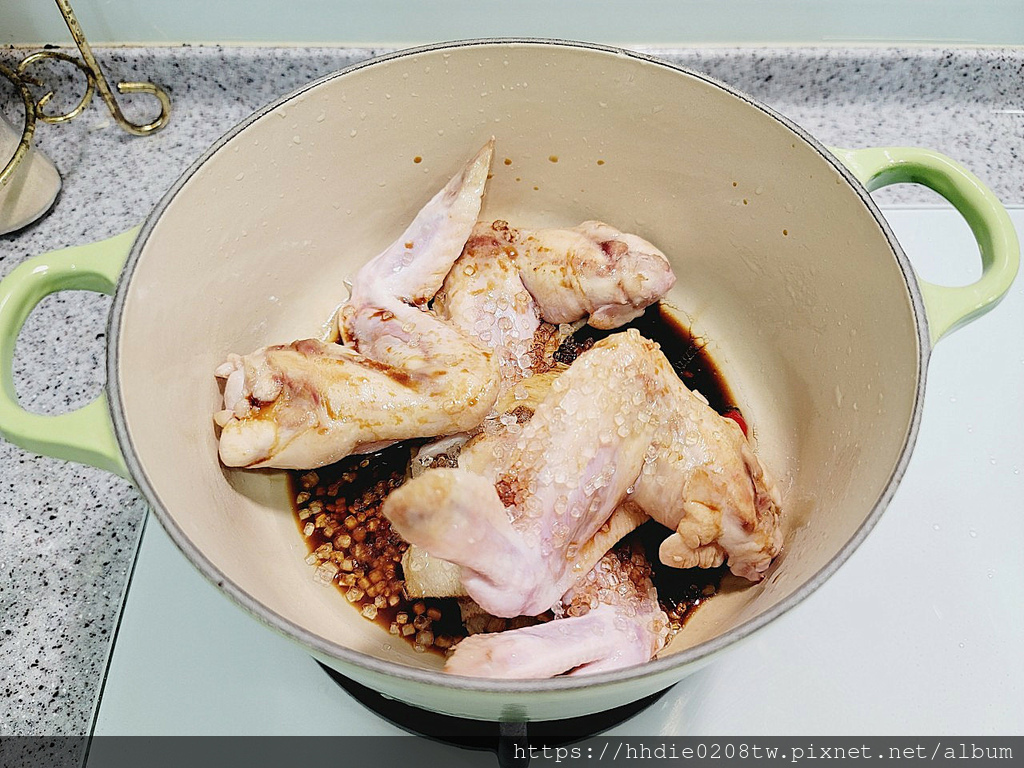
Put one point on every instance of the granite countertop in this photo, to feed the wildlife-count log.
(68, 534)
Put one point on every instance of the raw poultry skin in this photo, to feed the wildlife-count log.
(617, 423)
(701, 479)
(611, 620)
(403, 372)
(508, 280)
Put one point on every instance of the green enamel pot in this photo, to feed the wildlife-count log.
(784, 263)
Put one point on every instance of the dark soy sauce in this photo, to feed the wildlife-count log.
(687, 353)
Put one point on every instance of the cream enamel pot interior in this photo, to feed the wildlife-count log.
(784, 264)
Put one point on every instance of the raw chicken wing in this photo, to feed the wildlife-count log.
(508, 280)
(617, 423)
(405, 373)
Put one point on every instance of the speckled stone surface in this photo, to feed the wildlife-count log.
(68, 534)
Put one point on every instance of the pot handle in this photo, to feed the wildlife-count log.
(948, 308)
(86, 435)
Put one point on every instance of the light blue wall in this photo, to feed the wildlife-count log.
(401, 22)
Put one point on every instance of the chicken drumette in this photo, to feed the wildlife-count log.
(507, 281)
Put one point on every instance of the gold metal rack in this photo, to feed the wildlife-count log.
(95, 81)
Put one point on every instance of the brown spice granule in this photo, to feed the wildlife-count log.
(352, 545)
(572, 348)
